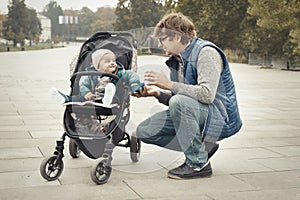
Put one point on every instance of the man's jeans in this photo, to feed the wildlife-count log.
(178, 128)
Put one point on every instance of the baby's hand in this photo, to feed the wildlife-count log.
(136, 88)
(89, 96)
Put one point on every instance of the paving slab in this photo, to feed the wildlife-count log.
(272, 180)
(184, 188)
(287, 150)
(260, 162)
(279, 194)
(23, 179)
(75, 192)
(14, 135)
(27, 143)
(281, 164)
(20, 164)
(239, 142)
(9, 153)
(47, 133)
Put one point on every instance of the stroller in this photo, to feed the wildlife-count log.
(97, 144)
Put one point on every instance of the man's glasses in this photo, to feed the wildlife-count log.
(161, 40)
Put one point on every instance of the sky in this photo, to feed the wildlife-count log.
(39, 5)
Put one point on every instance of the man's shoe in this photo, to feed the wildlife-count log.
(185, 171)
(211, 148)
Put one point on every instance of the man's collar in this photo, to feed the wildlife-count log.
(188, 49)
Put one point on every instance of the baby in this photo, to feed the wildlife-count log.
(93, 87)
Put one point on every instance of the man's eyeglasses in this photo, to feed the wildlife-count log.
(161, 40)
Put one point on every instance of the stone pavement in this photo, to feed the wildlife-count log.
(260, 162)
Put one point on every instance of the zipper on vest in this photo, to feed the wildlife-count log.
(181, 59)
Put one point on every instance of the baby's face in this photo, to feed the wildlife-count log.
(108, 63)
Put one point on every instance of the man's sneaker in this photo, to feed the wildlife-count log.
(58, 96)
(185, 171)
(211, 148)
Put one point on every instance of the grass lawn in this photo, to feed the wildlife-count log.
(5, 48)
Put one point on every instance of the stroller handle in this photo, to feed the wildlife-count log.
(114, 34)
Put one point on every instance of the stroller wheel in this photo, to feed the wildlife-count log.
(135, 148)
(101, 171)
(51, 168)
(73, 149)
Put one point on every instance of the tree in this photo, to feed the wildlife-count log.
(90, 22)
(20, 36)
(106, 17)
(279, 21)
(34, 27)
(2, 19)
(101, 25)
(52, 10)
(16, 20)
(22, 23)
(132, 14)
(138, 17)
(106, 13)
(86, 18)
(217, 20)
(123, 16)
(9, 34)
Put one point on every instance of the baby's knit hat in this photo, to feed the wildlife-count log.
(97, 56)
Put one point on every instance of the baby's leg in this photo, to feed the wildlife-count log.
(63, 98)
(110, 90)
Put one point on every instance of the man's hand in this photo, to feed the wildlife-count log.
(158, 79)
(148, 91)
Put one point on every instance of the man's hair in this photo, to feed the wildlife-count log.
(175, 23)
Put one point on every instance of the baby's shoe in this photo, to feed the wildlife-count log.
(58, 96)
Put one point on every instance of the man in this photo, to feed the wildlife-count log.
(202, 99)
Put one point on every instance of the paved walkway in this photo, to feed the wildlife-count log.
(261, 162)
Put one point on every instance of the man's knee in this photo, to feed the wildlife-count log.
(175, 104)
(141, 131)
(142, 134)
(176, 100)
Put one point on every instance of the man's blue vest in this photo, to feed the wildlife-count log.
(223, 118)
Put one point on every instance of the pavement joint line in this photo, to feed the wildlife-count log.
(264, 172)
(131, 188)
(41, 152)
(19, 158)
(206, 195)
(59, 181)
(163, 167)
(265, 158)
(28, 131)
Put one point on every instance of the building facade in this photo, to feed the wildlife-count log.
(46, 28)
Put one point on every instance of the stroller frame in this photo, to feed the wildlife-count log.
(52, 166)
